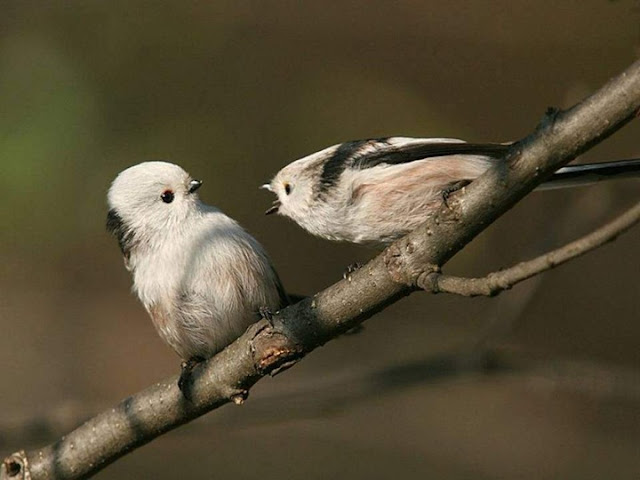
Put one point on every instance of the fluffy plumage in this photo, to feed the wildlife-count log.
(348, 192)
(201, 277)
(378, 190)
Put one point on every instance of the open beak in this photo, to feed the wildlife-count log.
(194, 185)
(274, 208)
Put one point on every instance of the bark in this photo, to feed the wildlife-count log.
(496, 282)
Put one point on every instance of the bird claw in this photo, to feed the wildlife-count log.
(350, 269)
(185, 380)
(267, 314)
(452, 188)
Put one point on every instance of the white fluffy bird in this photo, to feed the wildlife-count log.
(202, 278)
(377, 190)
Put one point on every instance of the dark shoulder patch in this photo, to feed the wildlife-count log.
(117, 227)
(344, 156)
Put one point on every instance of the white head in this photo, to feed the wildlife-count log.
(296, 185)
(147, 199)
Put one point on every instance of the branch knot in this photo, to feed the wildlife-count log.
(403, 264)
(16, 466)
(273, 350)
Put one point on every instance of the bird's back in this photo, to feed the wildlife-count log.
(384, 202)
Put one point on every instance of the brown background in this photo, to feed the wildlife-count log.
(232, 91)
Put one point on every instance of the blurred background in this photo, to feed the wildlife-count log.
(233, 91)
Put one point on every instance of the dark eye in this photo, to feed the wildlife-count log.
(167, 196)
(287, 188)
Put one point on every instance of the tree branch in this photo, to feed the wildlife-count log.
(345, 390)
(496, 282)
(267, 348)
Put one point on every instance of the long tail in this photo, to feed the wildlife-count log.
(578, 175)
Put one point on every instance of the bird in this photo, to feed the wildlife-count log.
(374, 191)
(201, 277)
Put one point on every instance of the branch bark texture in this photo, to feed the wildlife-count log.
(497, 282)
(269, 347)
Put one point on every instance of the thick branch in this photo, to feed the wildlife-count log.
(496, 282)
(299, 329)
(345, 390)
(558, 139)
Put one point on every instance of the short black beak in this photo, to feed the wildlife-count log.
(194, 185)
(274, 208)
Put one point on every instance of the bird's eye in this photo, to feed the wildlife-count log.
(287, 188)
(167, 196)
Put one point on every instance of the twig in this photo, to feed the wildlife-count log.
(297, 330)
(496, 282)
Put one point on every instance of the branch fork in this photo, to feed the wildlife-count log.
(496, 282)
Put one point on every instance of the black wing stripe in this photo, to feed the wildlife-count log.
(409, 153)
(359, 154)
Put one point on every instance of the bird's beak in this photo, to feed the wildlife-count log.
(194, 185)
(274, 208)
(266, 186)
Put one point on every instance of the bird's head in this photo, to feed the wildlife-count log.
(297, 185)
(148, 199)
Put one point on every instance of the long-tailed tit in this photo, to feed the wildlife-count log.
(202, 278)
(377, 190)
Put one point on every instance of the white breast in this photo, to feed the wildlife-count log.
(203, 284)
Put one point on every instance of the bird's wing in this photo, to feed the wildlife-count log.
(396, 150)
(363, 154)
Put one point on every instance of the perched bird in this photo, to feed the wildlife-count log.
(202, 278)
(377, 190)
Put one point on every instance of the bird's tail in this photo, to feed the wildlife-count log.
(589, 173)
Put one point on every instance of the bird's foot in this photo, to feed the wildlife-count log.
(185, 380)
(452, 188)
(267, 314)
(350, 269)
